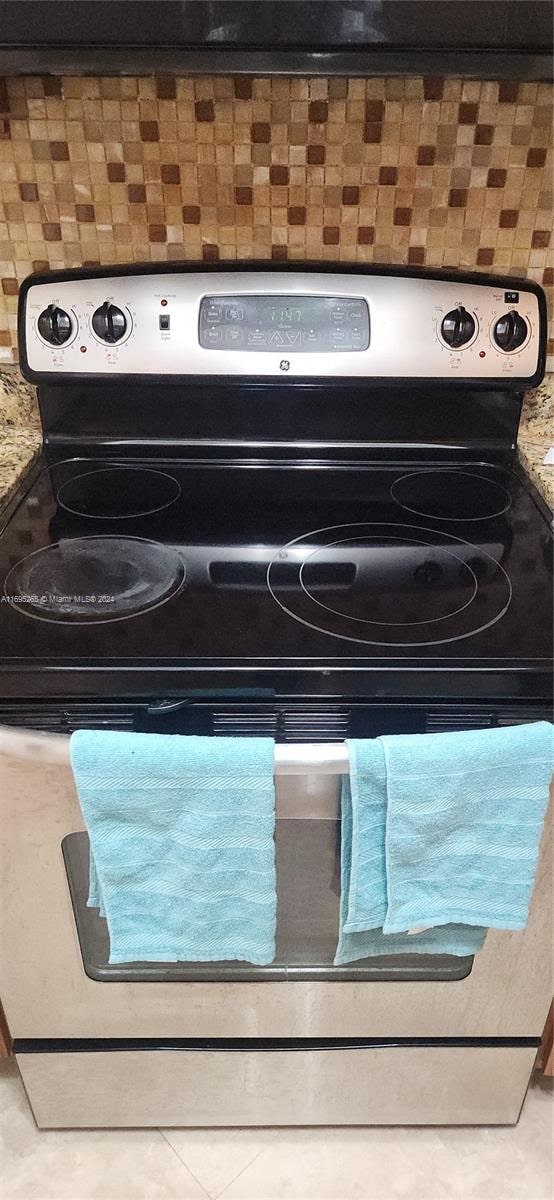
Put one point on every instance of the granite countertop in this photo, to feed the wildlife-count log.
(20, 435)
(536, 434)
(20, 432)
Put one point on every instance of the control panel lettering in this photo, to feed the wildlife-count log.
(305, 324)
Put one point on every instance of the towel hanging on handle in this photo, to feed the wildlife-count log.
(181, 831)
(441, 831)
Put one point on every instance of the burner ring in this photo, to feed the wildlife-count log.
(141, 573)
(92, 489)
(392, 624)
(295, 543)
(498, 496)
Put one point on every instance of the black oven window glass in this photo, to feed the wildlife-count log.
(308, 894)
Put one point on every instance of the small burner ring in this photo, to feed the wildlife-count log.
(393, 624)
(447, 495)
(136, 492)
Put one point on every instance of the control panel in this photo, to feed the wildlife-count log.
(263, 322)
(305, 324)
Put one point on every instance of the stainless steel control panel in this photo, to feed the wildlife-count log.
(261, 322)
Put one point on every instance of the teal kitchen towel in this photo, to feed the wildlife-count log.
(440, 831)
(181, 831)
(464, 821)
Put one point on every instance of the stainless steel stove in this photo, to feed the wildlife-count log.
(270, 501)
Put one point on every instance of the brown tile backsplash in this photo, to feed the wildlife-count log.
(436, 172)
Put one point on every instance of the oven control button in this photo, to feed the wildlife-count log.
(213, 336)
(458, 327)
(510, 331)
(109, 323)
(54, 325)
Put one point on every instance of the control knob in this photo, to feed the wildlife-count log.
(109, 323)
(510, 331)
(54, 325)
(458, 327)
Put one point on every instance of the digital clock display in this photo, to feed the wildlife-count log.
(303, 324)
(286, 316)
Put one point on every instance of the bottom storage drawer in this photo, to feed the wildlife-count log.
(370, 1083)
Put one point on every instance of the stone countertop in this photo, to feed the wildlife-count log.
(20, 435)
(536, 434)
(20, 432)
(18, 450)
(18, 403)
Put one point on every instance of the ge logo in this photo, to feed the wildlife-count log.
(284, 364)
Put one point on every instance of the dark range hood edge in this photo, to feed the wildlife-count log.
(354, 38)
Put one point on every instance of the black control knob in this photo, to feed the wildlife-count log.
(458, 327)
(109, 323)
(510, 331)
(54, 325)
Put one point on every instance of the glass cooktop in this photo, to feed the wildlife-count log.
(188, 563)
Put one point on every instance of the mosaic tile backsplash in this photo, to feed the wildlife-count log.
(428, 171)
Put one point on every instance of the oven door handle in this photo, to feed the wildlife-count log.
(303, 758)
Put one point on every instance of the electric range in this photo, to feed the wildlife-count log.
(273, 500)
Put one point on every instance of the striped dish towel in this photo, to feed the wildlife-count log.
(181, 831)
(440, 831)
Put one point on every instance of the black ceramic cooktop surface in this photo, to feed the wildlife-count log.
(164, 562)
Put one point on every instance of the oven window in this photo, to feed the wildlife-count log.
(308, 894)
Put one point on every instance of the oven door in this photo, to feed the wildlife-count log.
(57, 982)
(307, 855)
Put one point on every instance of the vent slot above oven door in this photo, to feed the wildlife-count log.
(285, 722)
(244, 723)
(451, 722)
(317, 723)
(66, 719)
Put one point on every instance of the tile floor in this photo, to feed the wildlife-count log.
(490, 1163)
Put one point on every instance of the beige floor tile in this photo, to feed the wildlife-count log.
(133, 1164)
(489, 1163)
(217, 1156)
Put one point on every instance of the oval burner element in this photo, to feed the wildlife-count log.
(447, 495)
(410, 585)
(118, 493)
(437, 581)
(90, 580)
